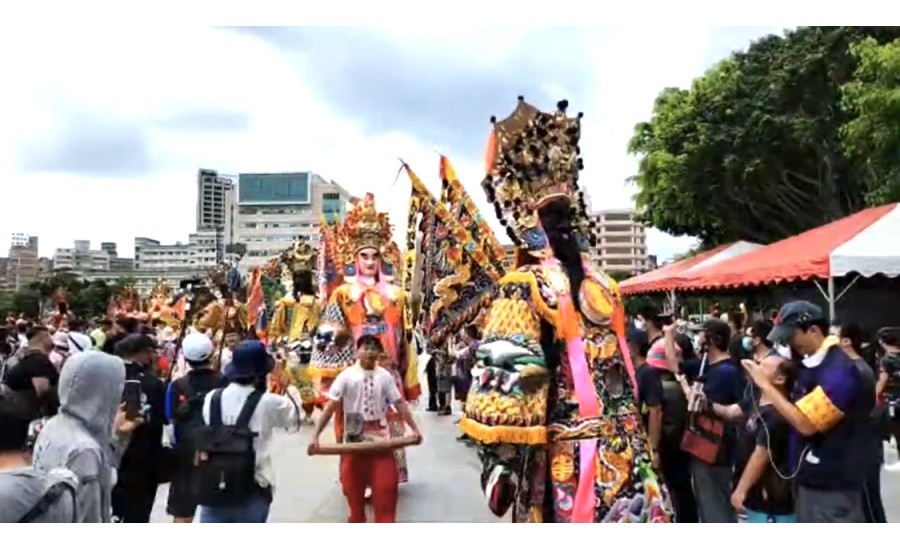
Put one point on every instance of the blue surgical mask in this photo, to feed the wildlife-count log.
(747, 343)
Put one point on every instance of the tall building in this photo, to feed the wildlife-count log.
(622, 242)
(212, 195)
(23, 265)
(272, 210)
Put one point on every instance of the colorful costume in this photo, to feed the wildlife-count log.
(295, 319)
(158, 305)
(552, 397)
(364, 307)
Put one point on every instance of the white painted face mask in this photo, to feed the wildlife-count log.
(784, 351)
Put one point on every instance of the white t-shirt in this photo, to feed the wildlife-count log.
(368, 393)
(273, 411)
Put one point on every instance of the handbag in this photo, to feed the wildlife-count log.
(703, 435)
(703, 438)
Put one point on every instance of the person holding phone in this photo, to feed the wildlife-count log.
(145, 464)
(90, 433)
(828, 412)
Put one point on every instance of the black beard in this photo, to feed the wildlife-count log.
(557, 224)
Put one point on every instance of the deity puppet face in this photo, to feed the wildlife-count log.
(556, 220)
(369, 261)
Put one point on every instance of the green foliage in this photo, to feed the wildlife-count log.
(752, 151)
(872, 137)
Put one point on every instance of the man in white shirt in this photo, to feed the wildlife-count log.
(366, 392)
(246, 372)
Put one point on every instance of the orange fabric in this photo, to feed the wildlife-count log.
(490, 153)
(657, 279)
(804, 256)
(818, 408)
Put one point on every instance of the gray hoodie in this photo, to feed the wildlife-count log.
(80, 437)
(21, 490)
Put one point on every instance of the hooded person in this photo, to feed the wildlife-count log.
(88, 436)
(28, 495)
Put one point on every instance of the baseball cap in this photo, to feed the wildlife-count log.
(134, 343)
(197, 347)
(790, 317)
(249, 359)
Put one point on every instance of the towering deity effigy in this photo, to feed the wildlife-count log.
(296, 317)
(367, 302)
(553, 394)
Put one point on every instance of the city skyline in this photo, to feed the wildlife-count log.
(106, 155)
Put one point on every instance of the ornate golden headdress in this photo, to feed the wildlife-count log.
(363, 227)
(161, 290)
(533, 158)
(299, 257)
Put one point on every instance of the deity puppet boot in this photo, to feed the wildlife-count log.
(552, 400)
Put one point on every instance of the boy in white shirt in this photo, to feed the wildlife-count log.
(366, 392)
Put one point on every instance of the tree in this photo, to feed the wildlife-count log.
(752, 151)
(872, 137)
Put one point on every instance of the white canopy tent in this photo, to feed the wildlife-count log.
(873, 251)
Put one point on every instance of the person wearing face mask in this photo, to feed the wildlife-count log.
(723, 385)
(142, 467)
(828, 411)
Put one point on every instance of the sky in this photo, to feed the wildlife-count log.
(104, 131)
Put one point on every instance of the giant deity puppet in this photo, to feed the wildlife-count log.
(221, 311)
(295, 319)
(367, 302)
(553, 395)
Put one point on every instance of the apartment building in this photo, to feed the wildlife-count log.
(621, 242)
(273, 210)
(81, 258)
(199, 253)
(23, 265)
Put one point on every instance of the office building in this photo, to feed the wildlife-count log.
(621, 242)
(273, 210)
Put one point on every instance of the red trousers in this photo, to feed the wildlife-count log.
(378, 471)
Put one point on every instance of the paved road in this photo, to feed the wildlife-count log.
(444, 482)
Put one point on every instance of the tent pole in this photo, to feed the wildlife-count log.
(831, 299)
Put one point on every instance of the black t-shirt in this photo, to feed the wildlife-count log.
(765, 428)
(145, 449)
(35, 364)
(724, 385)
(650, 390)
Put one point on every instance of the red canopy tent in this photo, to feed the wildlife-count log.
(663, 279)
(802, 257)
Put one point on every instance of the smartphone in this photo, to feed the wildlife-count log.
(132, 399)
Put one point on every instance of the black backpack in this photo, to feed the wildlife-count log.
(674, 414)
(187, 415)
(51, 497)
(224, 459)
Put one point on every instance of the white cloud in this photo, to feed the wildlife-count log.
(134, 75)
